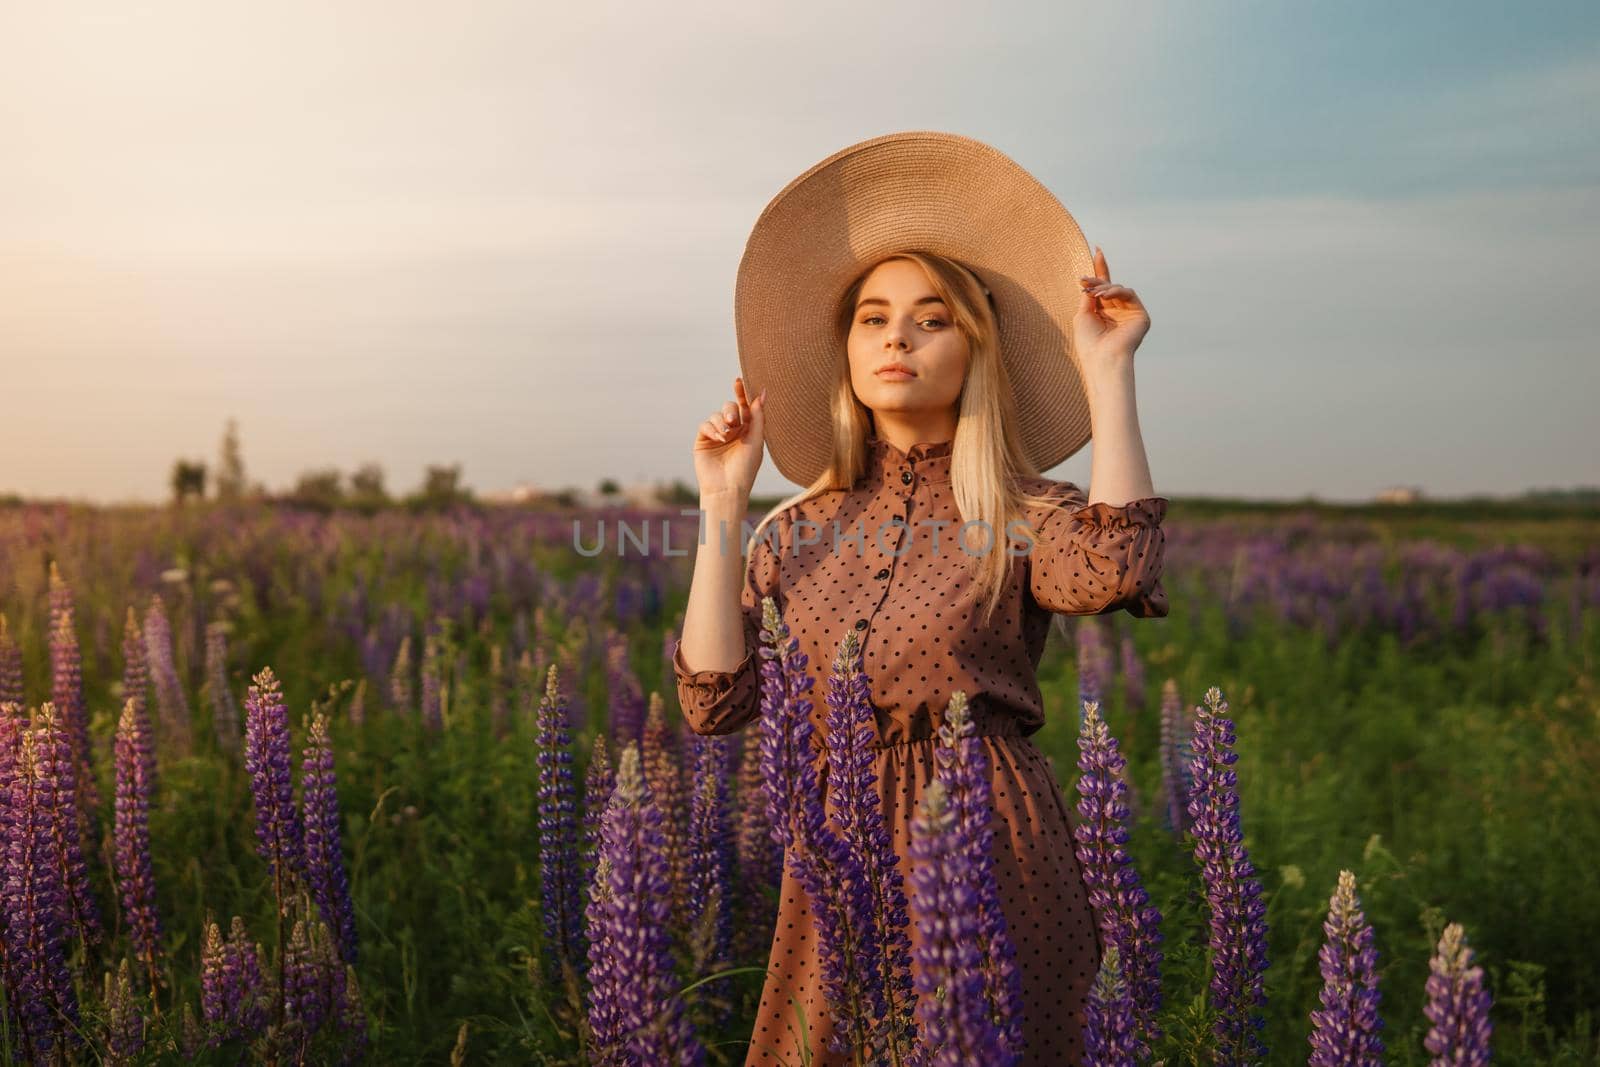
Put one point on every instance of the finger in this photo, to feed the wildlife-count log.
(712, 432)
(1113, 292)
(733, 415)
(1100, 264)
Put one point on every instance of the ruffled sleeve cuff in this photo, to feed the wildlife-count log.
(717, 702)
(1098, 558)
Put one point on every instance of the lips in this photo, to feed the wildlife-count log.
(896, 372)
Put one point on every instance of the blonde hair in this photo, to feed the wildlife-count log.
(987, 455)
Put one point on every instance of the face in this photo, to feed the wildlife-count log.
(899, 320)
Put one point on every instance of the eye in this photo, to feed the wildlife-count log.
(940, 321)
(871, 319)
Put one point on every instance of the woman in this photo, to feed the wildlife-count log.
(927, 382)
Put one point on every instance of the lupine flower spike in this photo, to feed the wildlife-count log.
(55, 763)
(1458, 1005)
(35, 902)
(170, 697)
(1128, 922)
(710, 869)
(124, 1019)
(885, 943)
(822, 864)
(131, 834)
(1238, 942)
(1108, 1037)
(1346, 1028)
(136, 688)
(324, 859)
(558, 829)
(964, 766)
(635, 1013)
(956, 1027)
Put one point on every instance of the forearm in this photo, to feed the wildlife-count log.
(713, 620)
(1119, 469)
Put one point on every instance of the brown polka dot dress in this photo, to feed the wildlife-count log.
(915, 610)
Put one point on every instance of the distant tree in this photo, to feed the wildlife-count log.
(188, 479)
(366, 488)
(609, 487)
(680, 492)
(320, 490)
(230, 466)
(441, 488)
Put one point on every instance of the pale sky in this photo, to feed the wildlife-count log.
(505, 235)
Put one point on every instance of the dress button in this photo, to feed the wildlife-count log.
(881, 575)
(905, 476)
(861, 624)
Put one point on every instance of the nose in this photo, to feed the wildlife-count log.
(894, 338)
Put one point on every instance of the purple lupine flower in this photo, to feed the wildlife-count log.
(55, 762)
(1132, 675)
(598, 781)
(1458, 1005)
(400, 690)
(124, 1019)
(1177, 757)
(1108, 1033)
(131, 835)
(558, 830)
(955, 1023)
(136, 687)
(664, 774)
(66, 693)
(324, 860)
(10, 667)
(625, 697)
(307, 988)
(1128, 921)
(1346, 1028)
(432, 684)
(250, 1001)
(215, 993)
(279, 835)
(164, 673)
(232, 989)
(710, 870)
(964, 766)
(635, 1013)
(822, 862)
(760, 858)
(352, 1019)
(224, 711)
(12, 725)
(36, 904)
(1238, 941)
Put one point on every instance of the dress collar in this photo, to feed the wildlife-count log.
(929, 461)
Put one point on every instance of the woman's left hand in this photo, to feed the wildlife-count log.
(1110, 323)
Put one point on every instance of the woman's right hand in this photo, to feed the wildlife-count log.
(728, 446)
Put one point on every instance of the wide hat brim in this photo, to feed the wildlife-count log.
(918, 190)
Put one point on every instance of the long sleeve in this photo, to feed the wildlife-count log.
(1093, 559)
(722, 702)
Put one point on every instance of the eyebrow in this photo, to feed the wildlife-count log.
(878, 300)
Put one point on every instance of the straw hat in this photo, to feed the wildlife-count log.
(916, 190)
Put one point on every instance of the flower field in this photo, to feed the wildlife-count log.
(413, 788)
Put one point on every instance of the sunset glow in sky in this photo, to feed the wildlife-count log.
(505, 235)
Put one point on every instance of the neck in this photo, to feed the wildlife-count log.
(905, 431)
